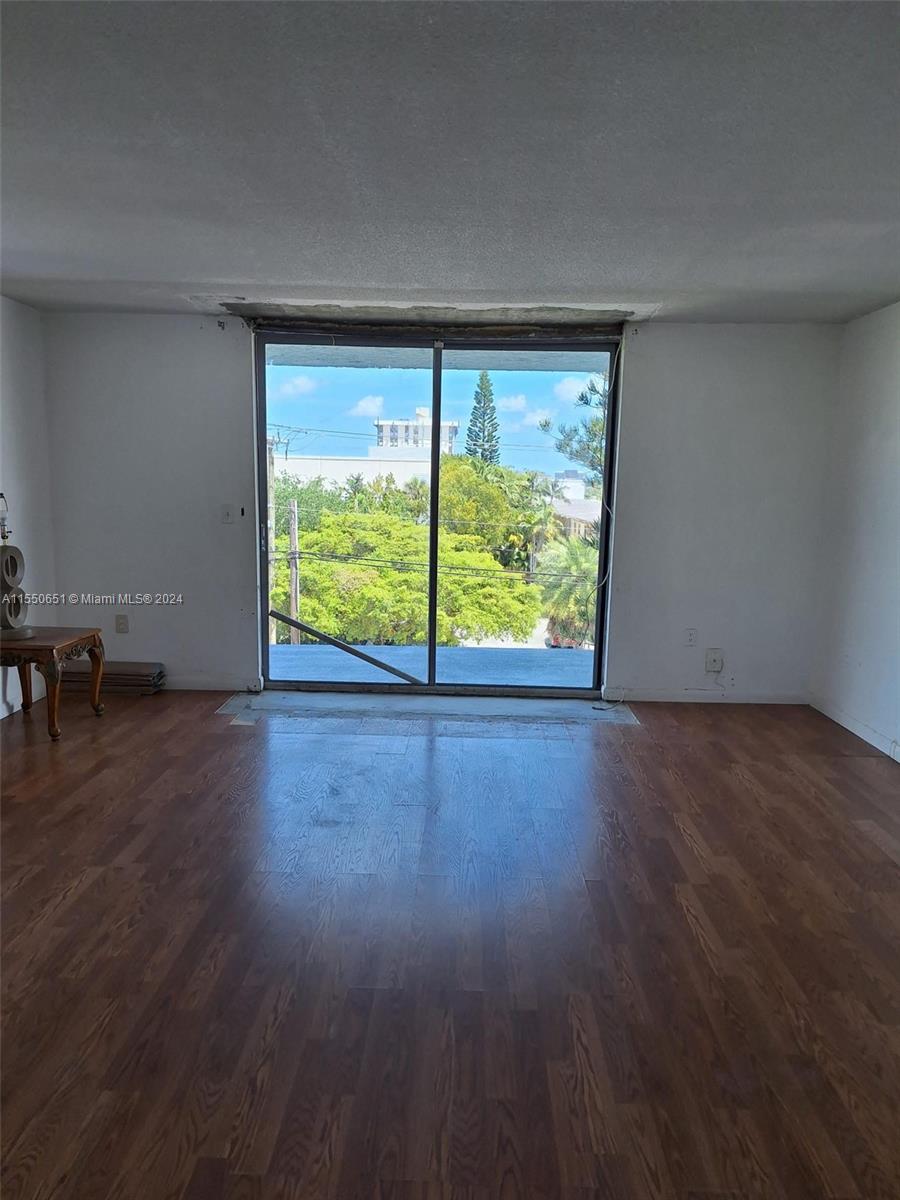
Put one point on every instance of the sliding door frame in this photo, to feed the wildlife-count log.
(438, 339)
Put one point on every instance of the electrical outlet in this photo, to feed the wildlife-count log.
(227, 514)
(690, 637)
(121, 623)
(715, 661)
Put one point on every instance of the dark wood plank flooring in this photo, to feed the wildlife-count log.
(449, 960)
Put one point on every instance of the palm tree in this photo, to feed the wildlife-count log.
(355, 490)
(551, 489)
(542, 524)
(417, 494)
(570, 589)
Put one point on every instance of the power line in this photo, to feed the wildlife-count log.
(309, 429)
(411, 566)
(354, 513)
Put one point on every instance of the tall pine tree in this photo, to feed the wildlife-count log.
(483, 435)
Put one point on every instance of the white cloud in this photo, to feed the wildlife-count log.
(537, 415)
(369, 406)
(512, 403)
(569, 389)
(300, 385)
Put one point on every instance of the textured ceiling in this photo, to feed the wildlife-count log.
(691, 161)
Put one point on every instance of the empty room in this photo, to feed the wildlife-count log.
(450, 600)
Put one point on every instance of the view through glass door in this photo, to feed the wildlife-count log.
(348, 444)
(522, 503)
(517, 440)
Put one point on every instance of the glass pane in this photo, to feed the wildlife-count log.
(348, 433)
(521, 501)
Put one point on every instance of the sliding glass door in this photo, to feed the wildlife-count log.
(522, 508)
(436, 515)
(348, 460)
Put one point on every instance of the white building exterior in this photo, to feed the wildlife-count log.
(403, 450)
(414, 433)
(572, 484)
(578, 512)
(338, 469)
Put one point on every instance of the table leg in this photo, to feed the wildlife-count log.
(52, 678)
(53, 710)
(96, 656)
(25, 685)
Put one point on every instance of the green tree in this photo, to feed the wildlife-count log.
(471, 501)
(486, 502)
(313, 496)
(417, 499)
(364, 578)
(541, 522)
(585, 441)
(483, 434)
(354, 491)
(568, 569)
(384, 495)
(542, 525)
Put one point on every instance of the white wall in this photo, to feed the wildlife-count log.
(152, 431)
(724, 439)
(718, 509)
(856, 677)
(25, 467)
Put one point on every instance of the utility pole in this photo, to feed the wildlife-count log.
(294, 565)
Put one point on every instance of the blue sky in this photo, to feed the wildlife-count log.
(346, 400)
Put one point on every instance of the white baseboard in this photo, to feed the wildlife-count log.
(881, 741)
(211, 683)
(701, 695)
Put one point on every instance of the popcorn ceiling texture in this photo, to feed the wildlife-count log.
(733, 162)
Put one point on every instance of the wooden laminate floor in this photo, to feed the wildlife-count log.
(449, 960)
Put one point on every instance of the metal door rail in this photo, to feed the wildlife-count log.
(345, 646)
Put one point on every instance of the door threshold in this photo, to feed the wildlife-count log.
(406, 703)
(438, 689)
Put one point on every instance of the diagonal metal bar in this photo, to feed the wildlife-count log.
(324, 637)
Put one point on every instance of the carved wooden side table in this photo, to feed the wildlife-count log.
(47, 650)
